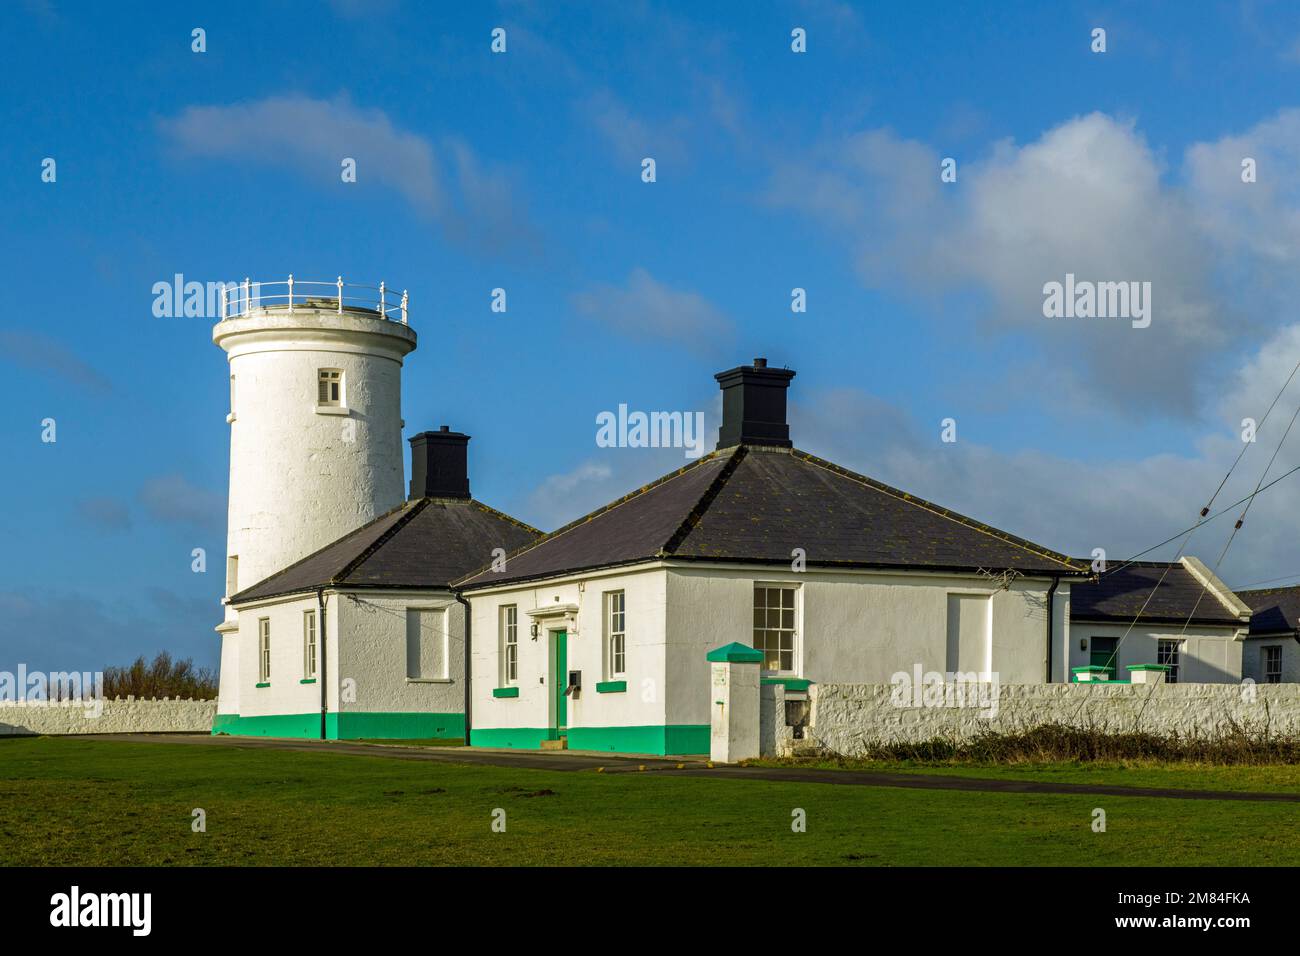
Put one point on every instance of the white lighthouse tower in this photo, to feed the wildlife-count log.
(315, 424)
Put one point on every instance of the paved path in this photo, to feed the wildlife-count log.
(569, 760)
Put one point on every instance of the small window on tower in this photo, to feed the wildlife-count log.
(329, 387)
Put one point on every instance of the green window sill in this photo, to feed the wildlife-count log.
(505, 692)
(267, 684)
(791, 683)
(611, 687)
(307, 680)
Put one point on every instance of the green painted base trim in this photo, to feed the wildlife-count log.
(505, 691)
(307, 680)
(267, 684)
(611, 687)
(269, 725)
(791, 683)
(353, 725)
(516, 738)
(672, 739)
(349, 725)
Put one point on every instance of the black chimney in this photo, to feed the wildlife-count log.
(753, 405)
(439, 468)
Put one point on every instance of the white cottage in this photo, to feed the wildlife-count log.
(1272, 649)
(1177, 616)
(595, 636)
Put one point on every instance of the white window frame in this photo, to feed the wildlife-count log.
(794, 630)
(309, 644)
(615, 634)
(232, 574)
(325, 378)
(264, 650)
(1172, 657)
(508, 625)
(1269, 652)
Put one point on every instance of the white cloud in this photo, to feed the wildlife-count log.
(648, 309)
(1087, 198)
(562, 497)
(1259, 219)
(631, 136)
(449, 185)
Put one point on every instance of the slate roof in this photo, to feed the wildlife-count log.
(755, 505)
(1277, 610)
(425, 543)
(1118, 595)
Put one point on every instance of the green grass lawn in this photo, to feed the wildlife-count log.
(83, 802)
(1273, 778)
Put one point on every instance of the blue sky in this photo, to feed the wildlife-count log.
(775, 170)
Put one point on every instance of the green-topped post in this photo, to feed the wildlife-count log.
(1147, 673)
(733, 687)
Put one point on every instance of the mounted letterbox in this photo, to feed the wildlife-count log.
(575, 684)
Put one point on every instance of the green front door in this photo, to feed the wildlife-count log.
(560, 680)
(1104, 654)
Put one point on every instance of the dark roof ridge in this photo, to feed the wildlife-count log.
(325, 547)
(1284, 587)
(702, 503)
(499, 514)
(443, 500)
(605, 509)
(939, 510)
(419, 505)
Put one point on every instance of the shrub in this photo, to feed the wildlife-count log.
(161, 678)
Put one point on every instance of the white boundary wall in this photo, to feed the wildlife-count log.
(117, 716)
(845, 718)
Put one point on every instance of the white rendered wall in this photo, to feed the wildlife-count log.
(228, 687)
(851, 626)
(1209, 655)
(286, 693)
(849, 718)
(118, 716)
(641, 705)
(372, 641)
(301, 478)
